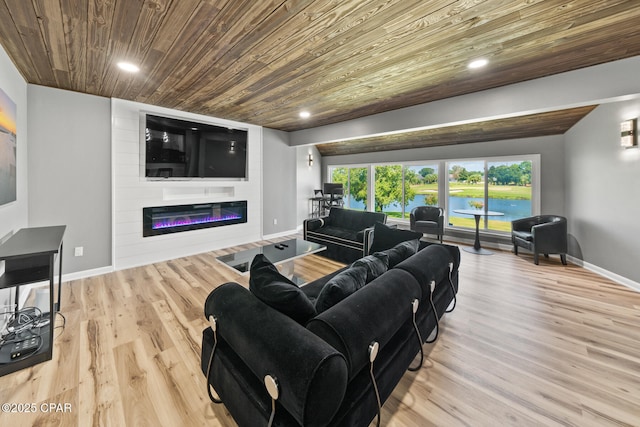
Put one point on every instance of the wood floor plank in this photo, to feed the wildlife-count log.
(526, 345)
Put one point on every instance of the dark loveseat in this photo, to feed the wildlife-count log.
(346, 233)
(321, 364)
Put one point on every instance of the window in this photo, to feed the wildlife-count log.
(421, 186)
(466, 191)
(389, 190)
(502, 184)
(354, 182)
(509, 191)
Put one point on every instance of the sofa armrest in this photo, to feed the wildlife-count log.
(373, 313)
(313, 224)
(312, 375)
(550, 237)
(367, 240)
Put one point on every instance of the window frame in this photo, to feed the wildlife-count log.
(443, 181)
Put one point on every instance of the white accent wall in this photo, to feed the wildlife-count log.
(132, 192)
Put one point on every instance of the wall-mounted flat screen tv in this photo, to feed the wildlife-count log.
(177, 149)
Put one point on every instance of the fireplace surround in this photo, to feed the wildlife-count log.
(174, 219)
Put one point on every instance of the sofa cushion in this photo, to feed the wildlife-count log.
(312, 289)
(375, 265)
(354, 220)
(338, 233)
(400, 252)
(385, 237)
(427, 224)
(524, 235)
(341, 286)
(278, 292)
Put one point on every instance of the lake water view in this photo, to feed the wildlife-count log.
(512, 209)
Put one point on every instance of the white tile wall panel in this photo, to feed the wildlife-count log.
(131, 193)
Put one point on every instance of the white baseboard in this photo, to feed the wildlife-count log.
(605, 273)
(86, 273)
(573, 260)
(277, 235)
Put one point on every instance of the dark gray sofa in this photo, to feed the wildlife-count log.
(346, 233)
(322, 366)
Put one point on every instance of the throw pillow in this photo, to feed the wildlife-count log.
(341, 286)
(375, 264)
(401, 251)
(278, 292)
(385, 237)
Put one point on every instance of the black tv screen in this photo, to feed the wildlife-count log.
(183, 149)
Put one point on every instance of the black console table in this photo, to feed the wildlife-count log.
(29, 257)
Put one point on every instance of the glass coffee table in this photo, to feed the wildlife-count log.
(281, 254)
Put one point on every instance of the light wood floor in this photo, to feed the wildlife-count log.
(527, 345)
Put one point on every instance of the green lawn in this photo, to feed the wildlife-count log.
(514, 192)
(465, 222)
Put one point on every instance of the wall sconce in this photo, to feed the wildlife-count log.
(310, 160)
(628, 133)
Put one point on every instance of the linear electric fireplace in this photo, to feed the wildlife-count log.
(174, 219)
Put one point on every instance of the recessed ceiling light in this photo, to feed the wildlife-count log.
(129, 67)
(478, 63)
(305, 114)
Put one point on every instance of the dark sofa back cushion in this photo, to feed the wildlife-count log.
(374, 313)
(376, 265)
(340, 286)
(385, 237)
(354, 220)
(278, 292)
(400, 252)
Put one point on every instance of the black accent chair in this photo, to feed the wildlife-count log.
(546, 234)
(427, 219)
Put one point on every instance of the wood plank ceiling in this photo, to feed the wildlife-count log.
(263, 61)
(542, 124)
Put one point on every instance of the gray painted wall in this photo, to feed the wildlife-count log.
(602, 182)
(70, 172)
(278, 183)
(309, 179)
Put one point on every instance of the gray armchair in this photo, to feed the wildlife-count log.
(542, 234)
(427, 219)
